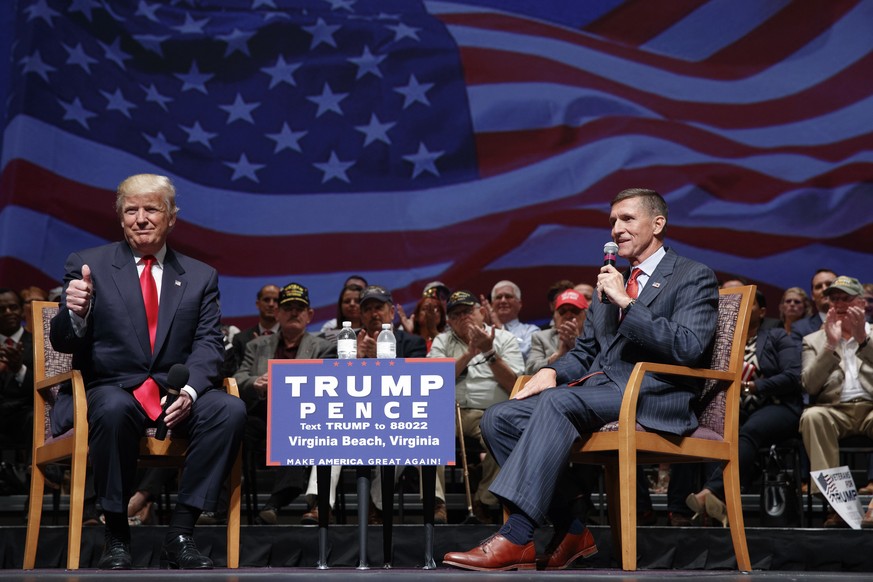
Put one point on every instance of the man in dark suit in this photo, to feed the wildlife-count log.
(292, 342)
(267, 303)
(130, 311)
(16, 387)
(667, 313)
(821, 281)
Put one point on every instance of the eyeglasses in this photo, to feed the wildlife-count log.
(793, 301)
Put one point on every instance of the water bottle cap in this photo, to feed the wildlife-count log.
(347, 324)
(386, 326)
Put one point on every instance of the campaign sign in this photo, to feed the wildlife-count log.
(838, 487)
(361, 412)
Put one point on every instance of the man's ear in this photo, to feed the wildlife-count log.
(660, 222)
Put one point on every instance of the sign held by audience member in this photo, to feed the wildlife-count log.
(838, 487)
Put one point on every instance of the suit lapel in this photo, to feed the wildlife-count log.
(127, 284)
(172, 289)
(659, 279)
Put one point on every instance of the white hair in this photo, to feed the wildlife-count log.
(515, 289)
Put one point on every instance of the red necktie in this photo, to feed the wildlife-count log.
(149, 394)
(633, 287)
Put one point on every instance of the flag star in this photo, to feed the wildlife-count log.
(77, 56)
(423, 161)
(197, 134)
(239, 109)
(328, 101)
(84, 6)
(367, 63)
(75, 111)
(35, 64)
(387, 16)
(338, 4)
(40, 9)
(237, 41)
(282, 72)
(191, 26)
(375, 130)
(321, 32)
(402, 31)
(194, 79)
(334, 168)
(160, 146)
(244, 169)
(151, 42)
(150, 12)
(114, 53)
(287, 139)
(117, 102)
(414, 92)
(267, 3)
(154, 96)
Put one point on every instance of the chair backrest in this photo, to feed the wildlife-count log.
(46, 361)
(727, 355)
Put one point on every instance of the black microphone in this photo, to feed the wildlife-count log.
(177, 377)
(610, 254)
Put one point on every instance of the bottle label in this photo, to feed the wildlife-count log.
(347, 349)
(386, 350)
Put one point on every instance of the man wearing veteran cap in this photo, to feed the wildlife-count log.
(292, 342)
(550, 344)
(487, 362)
(377, 307)
(838, 373)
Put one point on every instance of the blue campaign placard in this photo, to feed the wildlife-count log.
(361, 412)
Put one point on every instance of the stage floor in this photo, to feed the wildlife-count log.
(291, 552)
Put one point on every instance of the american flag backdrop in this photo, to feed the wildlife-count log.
(413, 140)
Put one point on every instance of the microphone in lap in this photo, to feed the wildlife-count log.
(177, 377)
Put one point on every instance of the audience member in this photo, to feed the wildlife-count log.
(868, 299)
(435, 290)
(503, 310)
(769, 412)
(821, 281)
(292, 342)
(586, 290)
(118, 303)
(672, 320)
(550, 344)
(347, 307)
(487, 362)
(266, 302)
(556, 287)
(16, 375)
(838, 375)
(794, 307)
(28, 296)
(429, 319)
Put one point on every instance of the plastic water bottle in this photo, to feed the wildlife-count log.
(347, 342)
(386, 344)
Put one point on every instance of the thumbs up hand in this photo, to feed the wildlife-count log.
(79, 293)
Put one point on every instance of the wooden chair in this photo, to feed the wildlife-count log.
(621, 446)
(52, 370)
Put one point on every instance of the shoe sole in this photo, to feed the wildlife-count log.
(525, 566)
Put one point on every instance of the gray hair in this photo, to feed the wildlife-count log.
(515, 289)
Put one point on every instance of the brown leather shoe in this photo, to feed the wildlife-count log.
(569, 548)
(833, 519)
(867, 520)
(676, 519)
(495, 553)
(440, 515)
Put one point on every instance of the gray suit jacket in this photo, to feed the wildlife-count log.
(261, 350)
(672, 322)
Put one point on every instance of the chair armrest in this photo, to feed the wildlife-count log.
(231, 387)
(519, 384)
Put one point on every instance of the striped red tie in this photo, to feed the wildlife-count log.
(149, 394)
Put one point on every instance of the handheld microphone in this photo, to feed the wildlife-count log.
(177, 377)
(610, 254)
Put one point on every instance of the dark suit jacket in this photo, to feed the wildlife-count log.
(779, 364)
(115, 349)
(410, 345)
(17, 398)
(240, 341)
(261, 350)
(672, 322)
(807, 325)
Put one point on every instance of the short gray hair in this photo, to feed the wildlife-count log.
(515, 289)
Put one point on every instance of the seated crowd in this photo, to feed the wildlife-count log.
(808, 374)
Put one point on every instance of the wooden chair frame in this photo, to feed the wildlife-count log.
(620, 449)
(52, 370)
